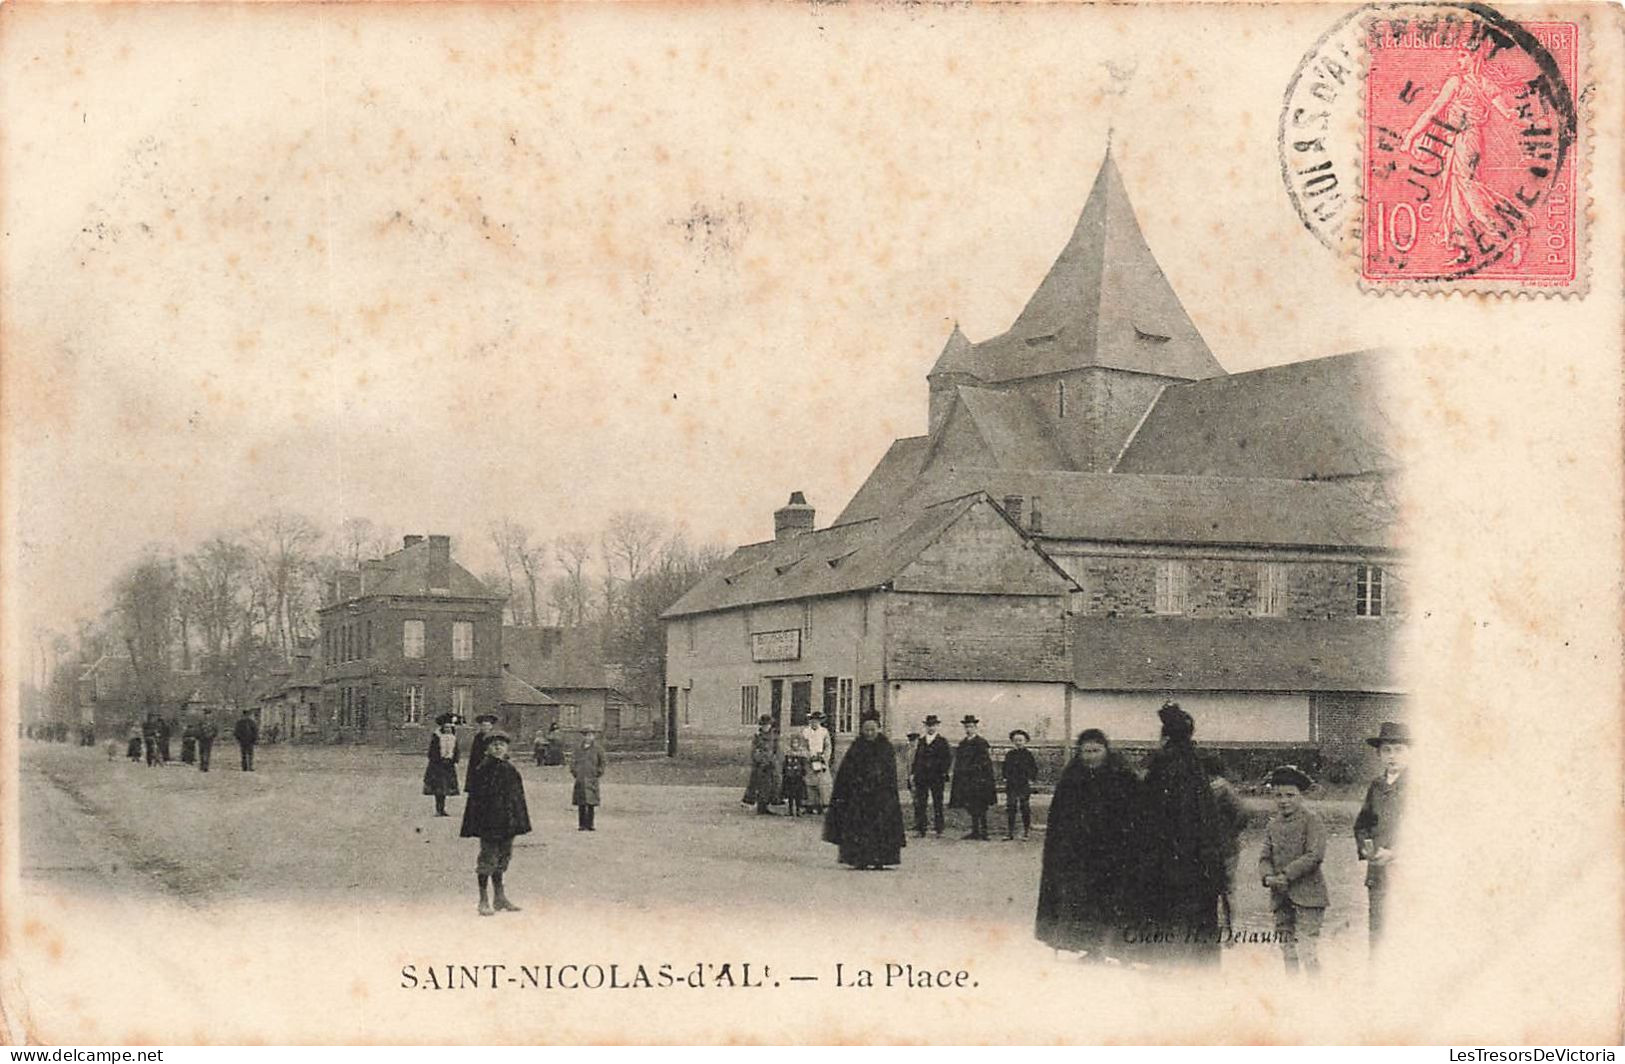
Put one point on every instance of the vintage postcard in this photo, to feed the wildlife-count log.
(811, 523)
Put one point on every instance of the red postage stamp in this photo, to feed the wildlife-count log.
(1471, 161)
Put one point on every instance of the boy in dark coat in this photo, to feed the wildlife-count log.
(1289, 865)
(974, 786)
(587, 766)
(1376, 828)
(495, 813)
(484, 723)
(933, 760)
(1020, 770)
(207, 732)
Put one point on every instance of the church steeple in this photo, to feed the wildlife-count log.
(955, 366)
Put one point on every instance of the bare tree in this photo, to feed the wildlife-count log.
(216, 587)
(512, 541)
(360, 539)
(282, 543)
(144, 611)
(631, 538)
(573, 552)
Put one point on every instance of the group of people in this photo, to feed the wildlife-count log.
(1135, 867)
(152, 736)
(800, 777)
(495, 811)
(1141, 868)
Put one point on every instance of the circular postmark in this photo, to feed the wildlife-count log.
(1434, 142)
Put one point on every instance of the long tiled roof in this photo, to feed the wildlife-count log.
(835, 560)
(405, 572)
(1181, 654)
(516, 692)
(1304, 420)
(1012, 429)
(1133, 508)
(553, 657)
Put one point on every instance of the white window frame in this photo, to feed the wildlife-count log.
(462, 640)
(1273, 584)
(1172, 588)
(462, 700)
(408, 642)
(844, 721)
(569, 716)
(412, 704)
(750, 696)
(1370, 590)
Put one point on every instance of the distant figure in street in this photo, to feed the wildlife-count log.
(554, 754)
(1182, 858)
(207, 732)
(150, 731)
(1376, 828)
(1232, 821)
(974, 788)
(189, 744)
(820, 762)
(247, 733)
(763, 788)
(134, 742)
(164, 732)
(495, 813)
(1289, 865)
(1020, 771)
(440, 775)
(795, 774)
(587, 766)
(865, 819)
(928, 775)
(538, 747)
(1088, 858)
(484, 723)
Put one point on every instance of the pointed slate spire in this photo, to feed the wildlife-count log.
(956, 357)
(1104, 302)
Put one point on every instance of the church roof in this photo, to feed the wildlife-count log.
(1104, 302)
(890, 481)
(1012, 428)
(1135, 508)
(1304, 420)
(957, 355)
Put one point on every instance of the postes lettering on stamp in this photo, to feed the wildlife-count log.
(1469, 164)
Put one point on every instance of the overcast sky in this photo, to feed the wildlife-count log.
(433, 266)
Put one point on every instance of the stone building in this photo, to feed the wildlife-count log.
(407, 637)
(1098, 517)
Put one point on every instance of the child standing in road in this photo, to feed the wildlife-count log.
(1289, 865)
(495, 813)
(1020, 771)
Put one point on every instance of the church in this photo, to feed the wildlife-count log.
(1097, 518)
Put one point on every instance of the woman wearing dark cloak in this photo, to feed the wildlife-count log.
(1182, 857)
(763, 788)
(1087, 849)
(865, 818)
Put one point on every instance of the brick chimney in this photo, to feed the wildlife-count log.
(439, 564)
(1035, 519)
(410, 541)
(793, 518)
(1012, 506)
(348, 585)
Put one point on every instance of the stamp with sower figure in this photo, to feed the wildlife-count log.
(1470, 168)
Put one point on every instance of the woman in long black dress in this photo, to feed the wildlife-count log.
(1087, 850)
(440, 776)
(865, 818)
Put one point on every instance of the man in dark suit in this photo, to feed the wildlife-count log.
(1376, 828)
(207, 732)
(247, 733)
(928, 775)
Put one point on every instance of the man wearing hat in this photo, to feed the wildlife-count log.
(1020, 771)
(1376, 828)
(587, 765)
(974, 787)
(485, 722)
(247, 733)
(820, 756)
(1289, 865)
(928, 774)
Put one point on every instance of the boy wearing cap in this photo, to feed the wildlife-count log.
(974, 788)
(1289, 865)
(587, 766)
(928, 774)
(1376, 828)
(495, 814)
(485, 722)
(1020, 769)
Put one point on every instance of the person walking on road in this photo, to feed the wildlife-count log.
(495, 813)
(207, 732)
(247, 733)
(587, 766)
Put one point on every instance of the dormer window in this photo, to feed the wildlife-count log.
(1141, 334)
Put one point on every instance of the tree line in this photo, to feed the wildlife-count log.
(229, 616)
